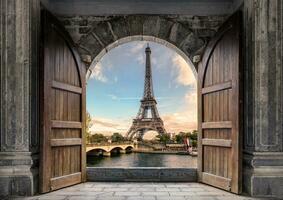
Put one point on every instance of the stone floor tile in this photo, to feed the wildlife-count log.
(142, 198)
(139, 191)
(173, 189)
(170, 198)
(179, 185)
(127, 193)
(142, 189)
(115, 189)
(155, 193)
(93, 189)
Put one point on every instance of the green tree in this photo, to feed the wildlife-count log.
(194, 138)
(165, 138)
(179, 138)
(88, 126)
(117, 137)
(98, 138)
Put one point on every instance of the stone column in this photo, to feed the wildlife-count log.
(123, 151)
(107, 153)
(19, 28)
(263, 135)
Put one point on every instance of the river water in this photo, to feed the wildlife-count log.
(143, 160)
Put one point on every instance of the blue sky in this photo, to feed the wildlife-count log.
(115, 88)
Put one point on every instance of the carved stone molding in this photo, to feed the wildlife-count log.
(264, 75)
(19, 65)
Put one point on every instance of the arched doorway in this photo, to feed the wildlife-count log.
(191, 45)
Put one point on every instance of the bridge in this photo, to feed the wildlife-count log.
(107, 148)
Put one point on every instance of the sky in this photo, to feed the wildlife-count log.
(115, 89)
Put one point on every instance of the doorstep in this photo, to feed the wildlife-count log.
(142, 174)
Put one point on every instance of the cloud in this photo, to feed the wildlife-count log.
(185, 75)
(112, 96)
(108, 126)
(186, 118)
(97, 73)
(137, 48)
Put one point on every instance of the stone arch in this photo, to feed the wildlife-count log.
(96, 148)
(140, 38)
(119, 148)
(97, 35)
(129, 146)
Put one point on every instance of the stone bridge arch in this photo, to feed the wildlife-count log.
(96, 35)
(108, 148)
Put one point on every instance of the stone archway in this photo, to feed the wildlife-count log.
(124, 40)
(96, 35)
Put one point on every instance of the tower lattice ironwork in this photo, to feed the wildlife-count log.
(147, 118)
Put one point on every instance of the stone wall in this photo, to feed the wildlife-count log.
(19, 139)
(263, 138)
(95, 34)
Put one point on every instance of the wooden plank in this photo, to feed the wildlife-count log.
(217, 87)
(221, 124)
(66, 124)
(64, 181)
(217, 181)
(66, 142)
(217, 142)
(66, 87)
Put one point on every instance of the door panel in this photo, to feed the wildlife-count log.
(219, 109)
(62, 109)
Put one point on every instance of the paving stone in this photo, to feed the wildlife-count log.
(173, 189)
(142, 198)
(127, 193)
(178, 185)
(195, 189)
(94, 189)
(116, 189)
(140, 191)
(170, 198)
(155, 193)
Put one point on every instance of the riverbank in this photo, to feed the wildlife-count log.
(143, 160)
(165, 152)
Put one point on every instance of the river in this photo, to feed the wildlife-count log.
(143, 160)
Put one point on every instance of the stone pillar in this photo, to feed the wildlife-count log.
(107, 154)
(263, 135)
(123, 151)
(19, 28)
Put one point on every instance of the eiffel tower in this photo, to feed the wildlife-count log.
(147, 118)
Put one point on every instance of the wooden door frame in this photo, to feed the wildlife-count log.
(48, 21)
(238, 144)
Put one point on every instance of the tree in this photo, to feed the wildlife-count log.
(179, 138)
(194, 138)
(88, 126)
(117, 137)
(165, 138)
(98, 138)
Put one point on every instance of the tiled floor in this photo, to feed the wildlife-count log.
(139, 191)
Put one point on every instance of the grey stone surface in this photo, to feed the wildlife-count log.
(113, 7)
(19, 26)
(142, 174)
(96, 35)
(263, 134)
(131, 191)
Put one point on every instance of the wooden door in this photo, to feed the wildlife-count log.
(219, 109)
(62, 109)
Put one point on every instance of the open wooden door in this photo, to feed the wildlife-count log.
(219, 108)
(62, 109)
